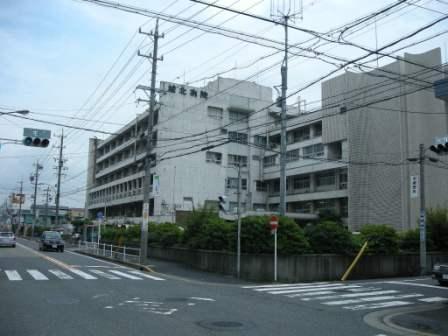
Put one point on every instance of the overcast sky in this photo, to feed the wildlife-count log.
(56, 53)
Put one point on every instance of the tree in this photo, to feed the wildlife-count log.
(329, 237)
(164, 234)
(382, 239)
(409, 241)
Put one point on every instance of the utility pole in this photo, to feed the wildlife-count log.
(147, 177)
(36, 181)
(59, 168)
(422, 223)
(47, 196)
(20, 207)
(238, 252)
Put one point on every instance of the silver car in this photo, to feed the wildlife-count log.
(7, 239)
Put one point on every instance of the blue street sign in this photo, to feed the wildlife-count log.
(99, 215)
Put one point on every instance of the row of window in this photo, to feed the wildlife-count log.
(218, 114)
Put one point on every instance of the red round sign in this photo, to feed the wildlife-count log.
(274, 222)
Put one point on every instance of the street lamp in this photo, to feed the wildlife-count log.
(22, 112)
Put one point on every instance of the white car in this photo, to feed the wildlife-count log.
(7, 239)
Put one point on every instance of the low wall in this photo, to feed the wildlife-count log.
(311, 267)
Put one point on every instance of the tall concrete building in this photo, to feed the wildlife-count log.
(349, 156)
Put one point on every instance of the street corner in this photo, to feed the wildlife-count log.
(427, 320)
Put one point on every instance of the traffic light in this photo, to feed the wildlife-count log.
(36, 137)
(439, 148)
(222, 203)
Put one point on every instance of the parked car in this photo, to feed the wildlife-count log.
(440, 273)
(7, 239)
(51, 240)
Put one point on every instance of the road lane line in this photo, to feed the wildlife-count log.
(372, 299)
(297, 287)
(312, 289)
(105, 275)
(434, 299)
(379, 305)
(60, 274)
(352, 295)
(82, 274)
(52, 260)
(287, 285)
(13, 275)
(37, 275)
(147, 275)
(125, 275)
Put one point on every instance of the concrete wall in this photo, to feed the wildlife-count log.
(311, 267)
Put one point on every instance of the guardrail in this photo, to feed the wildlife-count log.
(121, 253)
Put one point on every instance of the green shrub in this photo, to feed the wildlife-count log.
(329, 237)
(382, 239)
(164, 234)
(409, 241)
(437, 226)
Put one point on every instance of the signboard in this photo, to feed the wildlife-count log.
(273, 222)
(99, 215)
(415, 186)
(156, 185)
(145, 212)
(36, 133)
(18, 198)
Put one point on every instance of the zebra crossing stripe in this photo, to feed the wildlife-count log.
(60, 274)
(378, 305)
(294, 287)
(13, 275)
(125, 275)
(287, 285)
(37, 275)
(315, 289)
(352, 295)
(82, 274)
(372, 299)
(105, 275)
(152, 277)
(310, 294)
(434, 299)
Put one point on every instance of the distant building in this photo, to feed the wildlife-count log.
(349, 157)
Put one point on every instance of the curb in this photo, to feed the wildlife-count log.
(133, 265)
(383, 320)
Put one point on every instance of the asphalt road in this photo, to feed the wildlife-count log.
(50, 293)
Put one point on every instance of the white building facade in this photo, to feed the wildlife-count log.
(349, 157)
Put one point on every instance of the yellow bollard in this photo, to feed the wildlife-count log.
(353, 264)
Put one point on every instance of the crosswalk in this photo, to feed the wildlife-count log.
(346, 296)
(75, 273)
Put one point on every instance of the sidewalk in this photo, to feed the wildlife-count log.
(426, 322)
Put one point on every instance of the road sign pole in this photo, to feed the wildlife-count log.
(275, 255)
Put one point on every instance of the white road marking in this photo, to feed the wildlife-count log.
(316, 289)
(379, 305)
(60, 274)
(146, 275)
(352, 295)
(295, 287)
(201, 298)
(37, 275)
(310, 294)
(414, 284)
(13, 275)
(83, 274)
(434, 299)
(287, 285)
(125, 275)
(372, 299)
(105, 275)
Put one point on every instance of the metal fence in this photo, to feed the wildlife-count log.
(122, 253)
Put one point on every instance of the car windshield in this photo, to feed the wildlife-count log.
(52, 235)
(6, 234)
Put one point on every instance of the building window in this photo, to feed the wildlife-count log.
(256, 157)
(237, 160)
(261, 186)
(269, 161)
(232, 183)
(237, 116)
(299, 134)
(301, 182)
(313, 151)
(318, 129)
(259, 206)
(343, 178)
(214, 112)
(293, 155)
(325, 179)
(260, 141)
(326, 205)
(238, 137)
(344, 207)
(213, 157)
